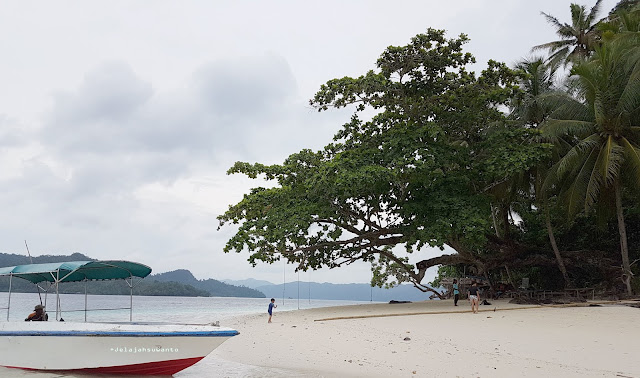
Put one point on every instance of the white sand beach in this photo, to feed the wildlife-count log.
(440, 340)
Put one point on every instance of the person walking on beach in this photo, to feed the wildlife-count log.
(456, 292)
(474, 297)
(272, 305)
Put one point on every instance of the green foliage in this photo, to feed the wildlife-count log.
(605, 125)
(578, 39)
(437, 133)
(429, 158)
(447, 271)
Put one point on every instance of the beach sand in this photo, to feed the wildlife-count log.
(447, 341)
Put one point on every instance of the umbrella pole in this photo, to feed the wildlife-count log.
(85, 300)
(9, 301)
(58, 295)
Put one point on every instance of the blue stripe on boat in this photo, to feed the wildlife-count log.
(120, 334)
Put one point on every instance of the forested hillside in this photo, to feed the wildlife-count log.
(212, 286)
(153, 285)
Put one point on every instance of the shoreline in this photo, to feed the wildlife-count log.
(434, 338)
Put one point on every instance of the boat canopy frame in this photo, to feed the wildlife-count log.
(77, 271)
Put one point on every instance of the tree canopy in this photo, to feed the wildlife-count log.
(436, 155)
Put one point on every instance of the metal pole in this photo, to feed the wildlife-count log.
(31, 260)
(284, 280)
(131, 300)
(85, 300)
(57, 295)
(9, 302)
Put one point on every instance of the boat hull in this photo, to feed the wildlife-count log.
(142, 349)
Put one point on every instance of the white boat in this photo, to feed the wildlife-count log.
(107, 348)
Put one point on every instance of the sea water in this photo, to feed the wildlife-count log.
(190, 310)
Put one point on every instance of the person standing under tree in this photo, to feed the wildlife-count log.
(456, 292)
(474, 297)
(272, 305)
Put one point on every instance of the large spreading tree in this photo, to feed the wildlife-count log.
(513, 169)
(417, 173)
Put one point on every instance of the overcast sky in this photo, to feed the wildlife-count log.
(119, 119)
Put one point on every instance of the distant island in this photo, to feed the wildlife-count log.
(347, 292)
(177, 283)
(182, 283)
(210, 285)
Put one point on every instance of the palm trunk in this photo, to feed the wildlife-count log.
(513, 285)
(624, 250)
(505, 220)
(554, 246)
(495, 224)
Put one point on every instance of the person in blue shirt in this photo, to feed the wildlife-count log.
(456, 292)
(272, 305)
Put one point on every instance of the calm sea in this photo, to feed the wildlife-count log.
(197, 310)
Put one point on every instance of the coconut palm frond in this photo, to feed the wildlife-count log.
(571, 161)
(562, 146)
(593, 13)
(630, 98)
(600, 107)
(632, 161)
(560, 47)
(554, 21)
(551, 179)
(565, 106)
(612, 159)
(577, 15)
(560, 57)
(589, 77)
(595, 178)
(554, 128)
(574, 195)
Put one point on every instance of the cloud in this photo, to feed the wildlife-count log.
(11, 133)
(116, 132)
(247, 88)
(121, 166)
(96, 117)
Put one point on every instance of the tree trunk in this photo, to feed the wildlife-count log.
(556, 251)
(506, 267)
(624, 250)
(505, 219)
(495, 224)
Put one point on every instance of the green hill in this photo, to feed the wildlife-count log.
(212, 286)
(164, 284)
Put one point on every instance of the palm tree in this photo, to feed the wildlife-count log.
(624, 5)
(577, 40)
(623, 19)
(532, 109)
(538, 79)
(605, 122)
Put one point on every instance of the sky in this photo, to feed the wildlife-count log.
(119, 119)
